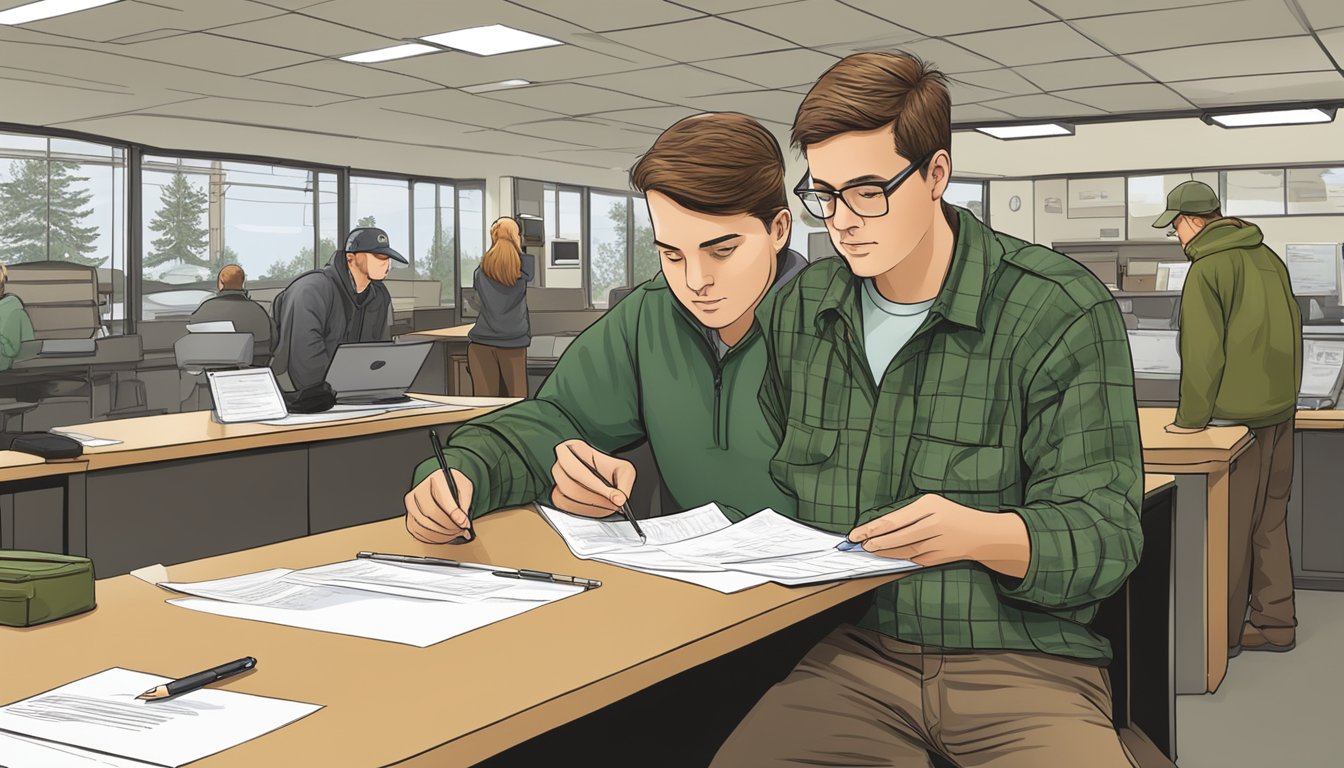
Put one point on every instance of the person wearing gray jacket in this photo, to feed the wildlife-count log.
(497, 354)
(343, 303)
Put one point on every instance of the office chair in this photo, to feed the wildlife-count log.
(616, 294)
(199, 353)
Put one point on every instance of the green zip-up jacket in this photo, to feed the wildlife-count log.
(15, 328)
(646, 369)
(1241, 331)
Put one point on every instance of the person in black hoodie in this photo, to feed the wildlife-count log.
(343, 303)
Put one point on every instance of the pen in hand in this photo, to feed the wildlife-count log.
(624, 508)
(199, 680)
(469, 533)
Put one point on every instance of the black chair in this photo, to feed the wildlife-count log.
(616, 294)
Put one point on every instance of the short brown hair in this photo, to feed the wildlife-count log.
(231, 278)
(719, 163)
(866, 91)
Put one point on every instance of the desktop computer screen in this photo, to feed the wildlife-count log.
(1155, 352)
(1314, 269)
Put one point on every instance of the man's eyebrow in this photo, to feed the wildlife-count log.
(717, 240)
(857, 180)
(661, 244)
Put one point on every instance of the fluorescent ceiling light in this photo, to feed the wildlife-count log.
(488, 41)
(45, 9)
(499, 86)
(1279, 117)
(388, 54)
(1027, 131)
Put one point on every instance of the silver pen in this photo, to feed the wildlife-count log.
(507, 573)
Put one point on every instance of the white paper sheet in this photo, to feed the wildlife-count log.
(1321, 363)
(1313, 268)
(1155, 352)
(587, 536)
(88, 441)
(247, 395)
(214, 326)
(23, 752)
(352, 412)
(101, 713)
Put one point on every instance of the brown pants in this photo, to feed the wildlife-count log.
(496, 371)
(1259, 566)
(861, 698)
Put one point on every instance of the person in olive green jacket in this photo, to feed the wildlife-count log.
(678, 362)
(15, 325)
(1241, 363)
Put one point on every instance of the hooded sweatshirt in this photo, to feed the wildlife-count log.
(15, 329)
(318, 312)
(646, 370)
(1241, 331)
(503, 320)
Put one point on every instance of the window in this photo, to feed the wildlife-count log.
(967, 194)
(471, 225)
(435, 236)
(385, 204)
(201, 215)
(1146, 199)
(65, 200)
(1315, 190)
(1250, 193)
(608, 233)
(644, 255)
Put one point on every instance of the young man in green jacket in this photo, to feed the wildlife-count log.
(957, 397)
(678, 361)
(1241, 363)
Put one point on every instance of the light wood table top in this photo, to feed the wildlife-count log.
(458, 332)
(1210, 449)
(454, 703)
(1319, 420)
(1153, 483)
(188, 435)
(15, 465)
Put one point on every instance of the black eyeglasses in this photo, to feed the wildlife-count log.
(868, 199)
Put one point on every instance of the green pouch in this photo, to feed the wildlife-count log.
(37, 587)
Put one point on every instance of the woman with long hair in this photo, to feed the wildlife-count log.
(497, 354)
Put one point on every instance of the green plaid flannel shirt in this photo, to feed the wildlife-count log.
(1015, 396)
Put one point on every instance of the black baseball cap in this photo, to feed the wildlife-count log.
(371, 240)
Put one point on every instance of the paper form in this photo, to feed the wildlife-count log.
(351, 412)
(247, 395)
(1313, 268)
(88, 441)
(1321, 364)
(1155, 352)
(23, 752)
(101, 713)
(589, 536)
(766, 534)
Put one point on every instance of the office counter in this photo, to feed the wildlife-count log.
(181, 487)
(1315, 518)
(445, 369)
(1202, 463)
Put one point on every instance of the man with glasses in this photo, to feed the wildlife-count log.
(957, 397)
(1241, 363)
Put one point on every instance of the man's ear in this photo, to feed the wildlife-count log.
(780, 228)
(940, 173)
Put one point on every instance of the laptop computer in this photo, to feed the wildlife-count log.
(375, 372)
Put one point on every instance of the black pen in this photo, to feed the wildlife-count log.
(625, 508)
(198, 680)
(470, 534)
(507, 573)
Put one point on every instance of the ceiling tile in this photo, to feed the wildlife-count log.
(940, 19)
(1334, 41)
(569, 98)
(603, 17)
(815, 23)
(1263, 89)
(417, 18)
(1178, 28)
(345, 77)
(1042, 105)
(216, 54)
(109, 22)
(965, 93)
(671, 83)
(462, 108)
(728, 6)
(948, 58)
(658, 118)
(1139, 97)
(143, 37)
(304, 33)
(294, 5)
(1077, 9)
(1106, 70)
(1252, 57)
(586, 133)
(1031, 45)
(964, 113)
(697, 40)
(1005, 81)
(538, 66)
(616, 161)
(49, 104)
(776, 106)
(774, 70)
(1323, 14)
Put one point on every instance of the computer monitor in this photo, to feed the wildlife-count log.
(375, 372)
(1313, 269)
(1155, 353)
(1322, 369)
(564, 253)
(532, 229)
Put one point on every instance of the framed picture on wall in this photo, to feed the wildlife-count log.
(1099, 198)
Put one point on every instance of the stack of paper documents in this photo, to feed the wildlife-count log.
(97, 721)
(416, 605)
(700, 546)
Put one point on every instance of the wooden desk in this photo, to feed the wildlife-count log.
(1202, 463)
(1315, 525)
(446, 369)
(455, 703)
(181, 487)
(34, 495)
